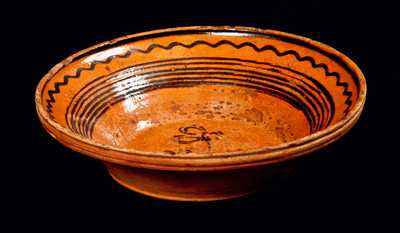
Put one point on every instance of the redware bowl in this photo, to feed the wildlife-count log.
(201, 113)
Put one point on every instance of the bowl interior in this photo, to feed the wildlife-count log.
(200, 92)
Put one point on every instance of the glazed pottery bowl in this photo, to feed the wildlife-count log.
(201, 113)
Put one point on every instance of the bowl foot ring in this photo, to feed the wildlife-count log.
(190, 186)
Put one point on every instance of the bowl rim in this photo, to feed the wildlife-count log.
(215, 161)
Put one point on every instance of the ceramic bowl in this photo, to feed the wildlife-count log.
(201, 113)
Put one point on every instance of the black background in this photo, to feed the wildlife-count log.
(354, 176)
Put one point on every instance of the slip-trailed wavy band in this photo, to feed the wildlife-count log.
(51, 100)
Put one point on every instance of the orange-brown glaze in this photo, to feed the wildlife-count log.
(234, 119)
(250, 60)
(220, 110)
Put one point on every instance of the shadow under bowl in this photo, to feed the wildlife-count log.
(201, 113)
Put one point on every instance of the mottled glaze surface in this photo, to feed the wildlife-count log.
(199, 98)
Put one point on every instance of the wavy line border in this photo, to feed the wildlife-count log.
(51, 100)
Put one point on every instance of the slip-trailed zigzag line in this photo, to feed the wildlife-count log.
(57, 85)
(51, 100)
